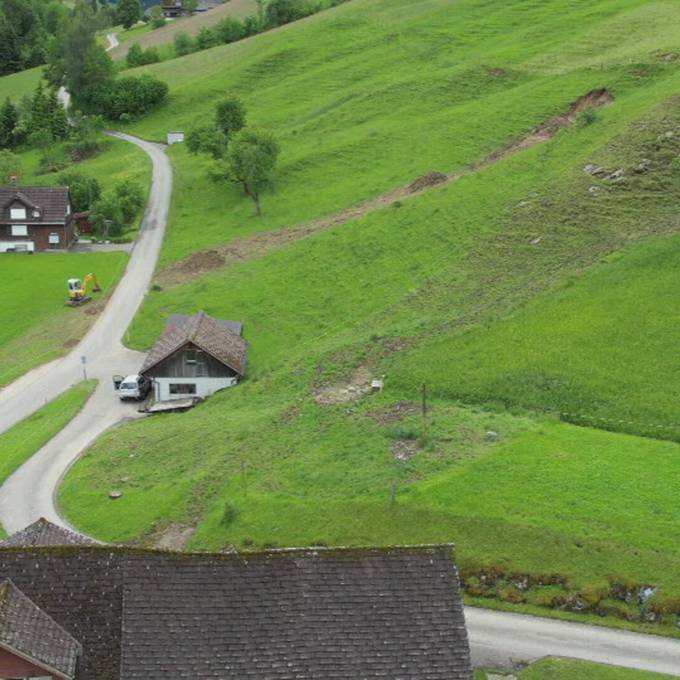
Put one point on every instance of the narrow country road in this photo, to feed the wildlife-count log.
(112, 40)
(501, 640)
(29, 493)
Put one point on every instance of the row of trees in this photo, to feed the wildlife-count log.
(244, 156)
(271, 13)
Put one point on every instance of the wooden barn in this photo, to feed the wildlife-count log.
(195, 357)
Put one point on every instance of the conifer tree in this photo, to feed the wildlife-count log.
(9, 117)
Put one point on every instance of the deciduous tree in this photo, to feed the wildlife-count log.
(251, 160)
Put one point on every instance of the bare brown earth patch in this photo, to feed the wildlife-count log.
(395, 412)
(261, 244)
(496, 72)
(171, 537)
(405, 449)
(338, 393)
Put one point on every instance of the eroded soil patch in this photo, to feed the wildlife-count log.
(261, 244)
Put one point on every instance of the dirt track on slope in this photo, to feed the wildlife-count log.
(206, 260)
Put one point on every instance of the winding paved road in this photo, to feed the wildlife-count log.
(28, 493)
(502, 640)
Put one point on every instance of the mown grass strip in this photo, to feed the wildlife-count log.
(20, 442)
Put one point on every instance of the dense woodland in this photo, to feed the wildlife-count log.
(29, 27)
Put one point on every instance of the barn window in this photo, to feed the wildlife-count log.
(18, 213)
(190, 356)
(19, 230)
(182, 388)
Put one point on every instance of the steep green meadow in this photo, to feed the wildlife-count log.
(513, 293)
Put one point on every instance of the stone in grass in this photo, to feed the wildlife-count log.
(495, 676)
(491, 436)
(114, 495)
(592, 169)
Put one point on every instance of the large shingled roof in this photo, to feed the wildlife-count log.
(336, 614)
(28, 630)
(51, 202)
(207, 334)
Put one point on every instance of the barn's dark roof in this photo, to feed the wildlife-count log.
(27, 629)
(44, 533)
(207, 334)
(337, 614)
(177, 320)
(51, 202)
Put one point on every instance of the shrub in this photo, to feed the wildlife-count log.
(206, 38)
(137, 56)
(229, 515)
(206, 139)
(511, 594)
(184, 44)
(133, 96)
(131, 199)
(156, 17)
(53, 159)
(587, 117)
(229, 30)
(107, 216)
(281, 12)
(84, 190)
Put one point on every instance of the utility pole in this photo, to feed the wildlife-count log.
(424, 433)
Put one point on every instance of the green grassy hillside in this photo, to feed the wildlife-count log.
(18, 85)
(484, 289)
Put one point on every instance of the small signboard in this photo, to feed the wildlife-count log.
(175, 138)
(54, 239)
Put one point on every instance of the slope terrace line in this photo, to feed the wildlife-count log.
(207, 260)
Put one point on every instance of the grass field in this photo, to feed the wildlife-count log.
(165, 35)
(20, 84)
(565, 669)
(503, 292)
(20, 442)
(35, 325)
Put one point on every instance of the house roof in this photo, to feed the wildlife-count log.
(177, 320)
(207, 334)
(43, 533)
(340, 614)
(27, 630)
(52, 202)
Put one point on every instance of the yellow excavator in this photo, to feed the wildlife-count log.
(77, 290)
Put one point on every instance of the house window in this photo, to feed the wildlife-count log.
(18, 213)
(182, 388)
(19, 230)
(190, 356)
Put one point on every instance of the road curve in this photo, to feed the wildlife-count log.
(503, 640)
(29, 493)
(113, 41)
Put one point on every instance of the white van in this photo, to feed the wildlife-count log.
(135, 387)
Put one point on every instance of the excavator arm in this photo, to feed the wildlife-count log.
(90, 278)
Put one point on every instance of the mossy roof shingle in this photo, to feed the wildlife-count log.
(306, 614)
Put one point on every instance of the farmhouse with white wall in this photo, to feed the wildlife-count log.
(195, 357)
